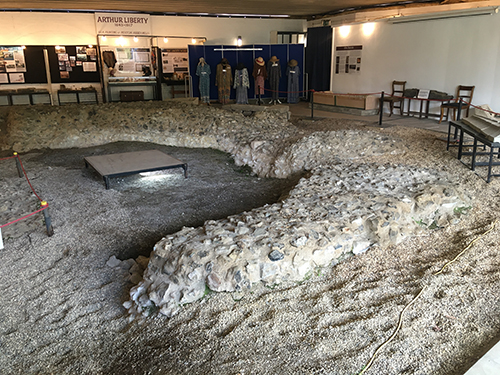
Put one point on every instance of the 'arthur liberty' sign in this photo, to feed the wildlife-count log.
(122, 24)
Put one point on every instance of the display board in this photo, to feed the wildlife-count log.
(246, 55)
(73, 64)
(348, 59)
(22, 65)
(175, 63)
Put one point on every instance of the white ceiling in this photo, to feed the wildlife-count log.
(292, 8)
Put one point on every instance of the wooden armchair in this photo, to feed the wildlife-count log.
(463, 92)
(398, 88)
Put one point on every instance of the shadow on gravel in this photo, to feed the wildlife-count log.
(164, 202)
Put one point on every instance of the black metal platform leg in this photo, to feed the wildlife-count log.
(460, 145)
(449, 132)
(474, 152)
(106, 182)
(490, 164)
(185, 167)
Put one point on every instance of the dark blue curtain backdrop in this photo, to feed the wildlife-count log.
(319, 57)
(284, 52)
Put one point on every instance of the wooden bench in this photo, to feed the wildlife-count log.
(477, 137)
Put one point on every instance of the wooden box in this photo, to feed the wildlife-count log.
(357, 101)
(324, 97)
(131, 96)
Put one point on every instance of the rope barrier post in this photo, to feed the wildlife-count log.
(48, 220)
(312, 104)
(258, 94)
(1, 239)
(381, 108)
(18, 164)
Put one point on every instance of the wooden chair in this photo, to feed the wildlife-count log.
(463, 92)
(398, 88)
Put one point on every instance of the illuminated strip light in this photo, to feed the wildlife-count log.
(252, 15)
(237, 49)
(443, 15)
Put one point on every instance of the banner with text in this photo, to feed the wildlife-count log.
(122, 24)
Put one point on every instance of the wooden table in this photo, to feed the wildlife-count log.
(128, 163)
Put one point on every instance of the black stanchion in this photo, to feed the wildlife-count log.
(260, 100)
(459, 109)
(381, 108)
(18, 164)
(312, 104)
(48, 220)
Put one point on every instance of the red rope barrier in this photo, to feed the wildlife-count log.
(45, 205)
(482, 109)
(336, 94)
(354, 94)
(10, 157)
(25, 217)
(27, 179)
(422, 99)
(287, 92)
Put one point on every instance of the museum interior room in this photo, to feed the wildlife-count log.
(285, 187)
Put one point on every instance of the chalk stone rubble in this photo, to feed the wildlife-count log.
(342, 209)
(338, 212)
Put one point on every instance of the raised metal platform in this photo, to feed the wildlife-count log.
(128, 163)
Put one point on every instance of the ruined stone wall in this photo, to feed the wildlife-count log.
(342, 209)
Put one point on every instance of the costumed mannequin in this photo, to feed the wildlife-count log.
(110, 61)
(241, 84)
(274, 75)
(259, 74)
(203, 71)
(224, 80)
(293, 73)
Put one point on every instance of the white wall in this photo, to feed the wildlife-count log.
(39, 28)
(437, 55)
(225, 30)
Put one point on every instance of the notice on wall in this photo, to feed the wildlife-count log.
(12, 60)
(89, 67)
(122, 24)
(348, 59)
(16, 77)
(175, 61)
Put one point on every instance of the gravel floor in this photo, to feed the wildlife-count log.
(61, 305)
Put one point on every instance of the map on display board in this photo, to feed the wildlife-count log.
(348, 59)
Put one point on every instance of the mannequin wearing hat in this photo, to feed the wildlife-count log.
(293, 73)
(203, 71)
(224, 80)
(274, 75)
(241, 83)
(259, 74)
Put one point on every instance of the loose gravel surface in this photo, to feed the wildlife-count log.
(61, 303)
